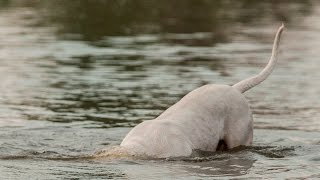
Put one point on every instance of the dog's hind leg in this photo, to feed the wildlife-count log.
(238, 126)
(239, 133)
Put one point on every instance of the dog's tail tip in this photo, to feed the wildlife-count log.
(281, 27)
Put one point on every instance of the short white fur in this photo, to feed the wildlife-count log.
(200, 119)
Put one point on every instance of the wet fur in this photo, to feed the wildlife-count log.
(200, 120)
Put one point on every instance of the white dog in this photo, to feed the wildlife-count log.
(200, 120)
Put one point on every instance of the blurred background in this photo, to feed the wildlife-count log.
(76, 76)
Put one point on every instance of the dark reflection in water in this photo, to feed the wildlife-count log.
(4, 3)
(95, 19)
(229, 167)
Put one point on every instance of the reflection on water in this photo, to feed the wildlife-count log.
(218, 168)
(77, 75)
(96, 19)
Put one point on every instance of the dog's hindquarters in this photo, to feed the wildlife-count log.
(197, 122)
(238, 127)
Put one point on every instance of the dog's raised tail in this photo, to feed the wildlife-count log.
(249, 83)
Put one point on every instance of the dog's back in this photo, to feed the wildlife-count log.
(198, 121)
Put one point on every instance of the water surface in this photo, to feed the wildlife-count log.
(77, 76)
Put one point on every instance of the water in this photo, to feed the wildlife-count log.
(76, 76)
